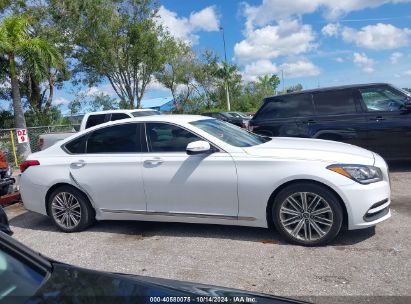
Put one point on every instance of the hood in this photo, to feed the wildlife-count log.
(312, 149)
(69, 282)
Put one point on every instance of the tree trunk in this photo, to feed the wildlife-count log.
(51, 93)
(20, 121)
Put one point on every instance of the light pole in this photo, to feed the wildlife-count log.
(227, 91)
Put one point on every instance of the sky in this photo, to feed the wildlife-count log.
(316, 43)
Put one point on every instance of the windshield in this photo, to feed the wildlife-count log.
(229, 133)
(145, 113)
(18, 279)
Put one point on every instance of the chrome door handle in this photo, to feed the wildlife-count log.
(154, 161)
(78, 164)
(378, 118)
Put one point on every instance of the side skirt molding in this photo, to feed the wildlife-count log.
(182, 214)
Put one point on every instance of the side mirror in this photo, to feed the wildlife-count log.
(4, 223)
(198, 147)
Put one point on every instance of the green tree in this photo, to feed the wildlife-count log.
(295, 88)
(177, 73)
(35, 54)
(116, 41)
(231, 80)
(206, 77)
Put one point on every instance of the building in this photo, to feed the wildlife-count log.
(164, 104)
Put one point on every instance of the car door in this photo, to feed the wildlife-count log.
(284, 115)
(339, 117)
(388, 122)
(203, 185)
(110, 170)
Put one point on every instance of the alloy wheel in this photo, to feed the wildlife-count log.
(66, 210)
(306, 216)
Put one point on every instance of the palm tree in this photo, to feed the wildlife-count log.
(19, 48)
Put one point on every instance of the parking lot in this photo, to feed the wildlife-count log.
(371, 262)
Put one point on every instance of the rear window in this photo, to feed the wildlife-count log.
(335, 102)
(287, 106)
(94, 120)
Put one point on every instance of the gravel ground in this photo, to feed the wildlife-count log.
(371, 262)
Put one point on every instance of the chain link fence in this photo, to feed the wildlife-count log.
(7, 136)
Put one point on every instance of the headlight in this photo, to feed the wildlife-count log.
(360, 173)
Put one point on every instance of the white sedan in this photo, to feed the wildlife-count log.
(196, 169)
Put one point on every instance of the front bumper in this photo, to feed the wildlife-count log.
(366, 205)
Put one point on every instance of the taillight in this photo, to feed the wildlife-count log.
(41, 143)
(28, 163)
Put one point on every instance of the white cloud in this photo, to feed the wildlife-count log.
(300, 68)
(206, 20)
(395, 57)
(155, 85)
(271, 10)
(185, 28)
(331, 30)
(366, 64)
(287, 38)
(339, 59)
(380, 36)
(408, 73)
(259, 68)
(106, 89)
(60, 101)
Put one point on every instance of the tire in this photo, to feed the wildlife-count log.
(70, 209)
(315, 223)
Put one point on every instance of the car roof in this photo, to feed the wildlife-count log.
(177, 118)
(121, 111)
(325, 89)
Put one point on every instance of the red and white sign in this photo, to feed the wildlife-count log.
(22, 136)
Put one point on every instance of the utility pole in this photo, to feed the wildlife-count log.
(282, 79)
(227, 91)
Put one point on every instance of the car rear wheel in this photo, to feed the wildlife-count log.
(307, 214)
(70, 209)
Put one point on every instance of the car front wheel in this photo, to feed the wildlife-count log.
(307, 214)
(70, 209)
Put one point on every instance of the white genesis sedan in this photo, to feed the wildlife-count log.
(195, 169)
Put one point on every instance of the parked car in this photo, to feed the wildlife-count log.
(29, 277)
(92, 119)
(187, 168)
(373, 116)
(232, 117)
(6, 179)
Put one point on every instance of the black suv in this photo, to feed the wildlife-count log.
(374, 116)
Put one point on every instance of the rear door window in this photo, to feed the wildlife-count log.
(334, 102)
(117, 116)
(287, 106)
(77, 146)
(115, 139)
(94, 120)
